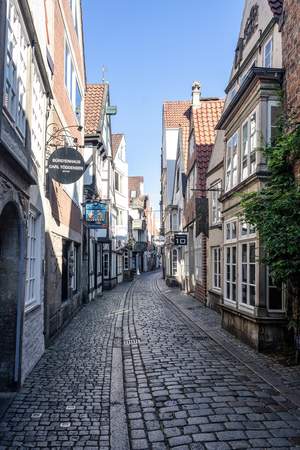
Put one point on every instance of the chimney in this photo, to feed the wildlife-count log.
(196, 93)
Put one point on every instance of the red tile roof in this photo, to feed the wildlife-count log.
(116, 140)
(134, 184)
(206, 117)
(185, 132)
(94, 98)
(176, 113)
(276, 7)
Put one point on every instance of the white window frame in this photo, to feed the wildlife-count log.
(233, 230)
(270, 54)
(250, 230)
(216, 264)
(250, 146)
(231, 172)
(198, 263)
(74, 11)
(216, 205)
(16, 68)
(33, 260)
(247, 283)
(71, 81)
(271, 104)
(233, 281)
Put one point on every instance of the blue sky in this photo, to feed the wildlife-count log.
(153, 51)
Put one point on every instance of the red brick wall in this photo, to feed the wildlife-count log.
(291, 57)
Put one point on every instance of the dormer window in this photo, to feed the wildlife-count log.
(268, 53)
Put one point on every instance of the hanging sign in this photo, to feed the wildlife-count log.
(66, 165)
(96, 215)
(180, 239)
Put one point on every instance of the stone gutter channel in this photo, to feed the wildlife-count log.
(290, 396)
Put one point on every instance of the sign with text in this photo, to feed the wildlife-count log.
(96, 214)
(66, 165)
(180, 239)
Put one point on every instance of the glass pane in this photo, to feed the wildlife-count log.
(244, 273)
(252, 295)
(227, 272)
(228, 255)
(252, 253)
(227, 231)
(244, 229)
(234, 274)
(252, 274)
(228, 290)
(244, 293)
(244, 253)
(234, 292)
(233, 230)
(234, 255)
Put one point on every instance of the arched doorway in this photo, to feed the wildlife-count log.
(9, 293)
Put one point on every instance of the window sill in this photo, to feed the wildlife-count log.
(216, 226)
(31, 308)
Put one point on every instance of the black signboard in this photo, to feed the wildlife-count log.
(180, 239)
(66, 165)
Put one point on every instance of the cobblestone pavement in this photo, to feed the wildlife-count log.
(65, 402)
(132, 358)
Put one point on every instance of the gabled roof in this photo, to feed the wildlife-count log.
(206, 117)
(116, 140)
(94, 104)
(176, 113)
(276, 7)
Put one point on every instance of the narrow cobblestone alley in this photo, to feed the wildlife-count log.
(177, 389)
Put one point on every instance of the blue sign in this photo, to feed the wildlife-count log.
(96, 215)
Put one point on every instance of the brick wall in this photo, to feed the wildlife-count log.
(291, 57)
